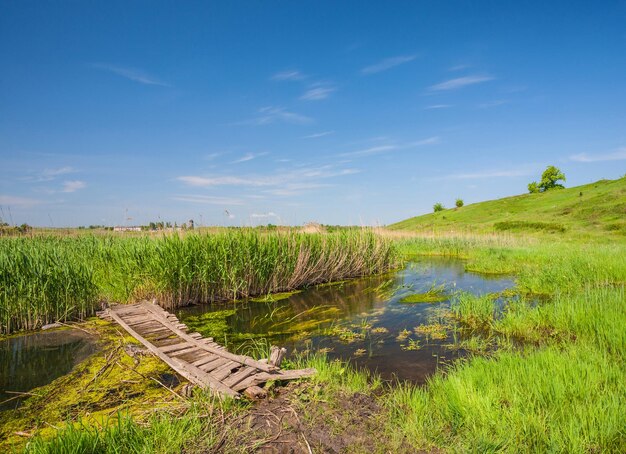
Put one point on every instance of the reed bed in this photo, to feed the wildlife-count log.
(51, 278)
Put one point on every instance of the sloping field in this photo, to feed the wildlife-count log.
(594, 209)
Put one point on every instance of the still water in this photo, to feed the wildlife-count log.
(27, 362)
(363, 321)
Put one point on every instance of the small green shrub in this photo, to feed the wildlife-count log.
(438, 207)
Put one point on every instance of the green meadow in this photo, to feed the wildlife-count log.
(595, 210)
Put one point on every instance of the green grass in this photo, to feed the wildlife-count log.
(162, 434)
(194, 425)
(546, 373)
(549, 400)
(545, 370)
(599, 212)
(45, 279)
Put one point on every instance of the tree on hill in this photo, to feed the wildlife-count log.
(438, 207)
(549, 180)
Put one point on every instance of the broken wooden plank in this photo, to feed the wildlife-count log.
(191, 373)
(239, 376)
(255, 393)
(262, 377)
(276, 355)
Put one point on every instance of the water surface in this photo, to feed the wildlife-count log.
(33, 360)
(363, 321)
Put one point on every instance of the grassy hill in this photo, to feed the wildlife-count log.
(596, 208)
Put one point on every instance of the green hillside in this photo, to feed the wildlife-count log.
(596, 208)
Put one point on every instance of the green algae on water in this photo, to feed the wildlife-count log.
(428, 297)
(211, 324)
(271, 297)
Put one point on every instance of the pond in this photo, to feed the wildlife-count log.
(37, 359)
(374, 322)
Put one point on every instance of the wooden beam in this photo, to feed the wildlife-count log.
(191, 373)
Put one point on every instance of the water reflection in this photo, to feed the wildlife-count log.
(37, 359)
(364, 321)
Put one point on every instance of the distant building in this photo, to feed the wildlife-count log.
(130, 228)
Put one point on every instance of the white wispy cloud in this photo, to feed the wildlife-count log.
(458, 67)
(617, 155)
(73, 186)
(391, 147)
(319, 134)
(292, 74)
(291, 189)
(317, 93)
(9, 200)
(191, 180)
(48, 174)
(249, 157)
(133, 74)
(212, 156)
(460, 82)
(371, 150)
(387, 63)
(278, 183)
(270, 115)
(437, 106)
(52, 173)
(207, 199)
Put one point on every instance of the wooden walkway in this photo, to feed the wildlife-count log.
(200, 360)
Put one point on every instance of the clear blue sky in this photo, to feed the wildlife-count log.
(240, 113)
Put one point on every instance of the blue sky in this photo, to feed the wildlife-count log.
(245, 113)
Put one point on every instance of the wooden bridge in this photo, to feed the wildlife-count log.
(200, 360)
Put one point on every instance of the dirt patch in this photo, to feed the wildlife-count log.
(292, 420)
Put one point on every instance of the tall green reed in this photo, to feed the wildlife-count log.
(46, 278)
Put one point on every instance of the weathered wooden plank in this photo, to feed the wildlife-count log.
(276, 355)
(155, 328)
(208, 379)
(208, 367)
(224, 371)
(240, 375)
(166, 342)
(262, 377)
(172, 348)
(201, 360)
(205, 359)
(255, 393)
(157, 312)
(186, 351)
(129, 311)
(191, 373)
(165, 335)
(144, 321)
(248, 382)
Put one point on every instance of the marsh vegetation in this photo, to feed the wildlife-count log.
(45, 279)
(536, 365)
